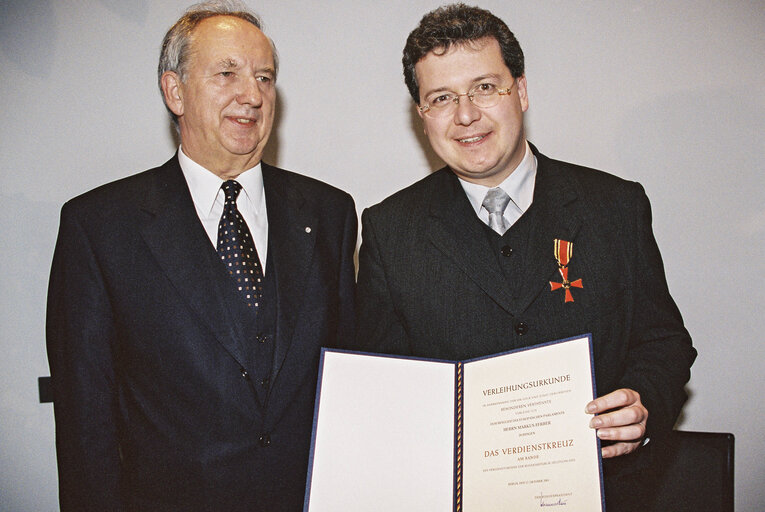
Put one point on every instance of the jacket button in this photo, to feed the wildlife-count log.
(244, 374)
(264, 440)
(506, 251)
(521, 328)
(262, 338)
(265, 381)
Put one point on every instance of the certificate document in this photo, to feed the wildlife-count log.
(506, 432)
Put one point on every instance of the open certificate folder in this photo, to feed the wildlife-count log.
(501, 433)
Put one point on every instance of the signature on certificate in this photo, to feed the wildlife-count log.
(553, 500)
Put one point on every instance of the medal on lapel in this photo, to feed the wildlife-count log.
(563, 253)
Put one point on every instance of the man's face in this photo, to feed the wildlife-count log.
(481, 145)
(225, 106)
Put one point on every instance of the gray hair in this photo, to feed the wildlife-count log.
(174, 54)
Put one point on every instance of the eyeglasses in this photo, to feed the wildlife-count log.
(483, 95)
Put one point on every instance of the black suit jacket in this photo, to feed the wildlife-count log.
(431, 283)
(154, 402)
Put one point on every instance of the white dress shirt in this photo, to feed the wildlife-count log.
(209, 198)
(519, 186)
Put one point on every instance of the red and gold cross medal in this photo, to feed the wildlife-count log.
(563, 252)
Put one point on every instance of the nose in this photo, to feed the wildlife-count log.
(466, 112)
(250, 93)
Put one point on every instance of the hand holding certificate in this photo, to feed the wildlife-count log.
(505, 432)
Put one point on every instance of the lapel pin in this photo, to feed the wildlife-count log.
(563, 253)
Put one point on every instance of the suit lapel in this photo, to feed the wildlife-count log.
(554, 216)
(453, 231)
(178, 242)
(292, 230)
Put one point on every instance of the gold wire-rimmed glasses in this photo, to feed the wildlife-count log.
(483, 95)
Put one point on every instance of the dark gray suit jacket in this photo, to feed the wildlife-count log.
(155, 407)
(432, 284)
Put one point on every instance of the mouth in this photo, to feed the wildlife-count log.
(472, 139)
(244, 121)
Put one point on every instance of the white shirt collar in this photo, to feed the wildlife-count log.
(204, 185)
(519, 185)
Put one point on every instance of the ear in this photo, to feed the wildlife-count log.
(523, 93)
(172, 91)
(422, 118)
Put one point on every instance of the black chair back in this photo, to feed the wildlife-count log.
(698, 473)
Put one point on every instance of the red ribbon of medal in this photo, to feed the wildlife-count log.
(563, 252)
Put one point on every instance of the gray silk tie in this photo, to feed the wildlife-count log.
(495, 202)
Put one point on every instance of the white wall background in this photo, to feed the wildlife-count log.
(670, 94)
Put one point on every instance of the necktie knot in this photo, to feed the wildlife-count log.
(231, 189)
(495, 202)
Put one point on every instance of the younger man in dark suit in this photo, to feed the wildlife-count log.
(188, 303)
(506, 248)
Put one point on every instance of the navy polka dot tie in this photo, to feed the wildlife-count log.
(237, 249)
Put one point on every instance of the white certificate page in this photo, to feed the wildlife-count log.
(384, 435)
(527, 443)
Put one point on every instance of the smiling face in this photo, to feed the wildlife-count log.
(481, 145)
(225, 105)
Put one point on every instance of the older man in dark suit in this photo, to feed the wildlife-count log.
(188, 303)
(506, 248)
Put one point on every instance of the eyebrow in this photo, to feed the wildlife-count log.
(267, 69)
(484, 77)
(227, 63)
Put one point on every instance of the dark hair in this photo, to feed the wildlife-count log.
(457, 24)
(174, 53)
